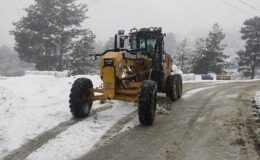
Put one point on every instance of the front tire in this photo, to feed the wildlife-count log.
(147, 102)
(80, 97)
(180, 85)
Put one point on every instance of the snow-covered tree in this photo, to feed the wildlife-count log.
(80, 61)
(11, 65)
(209, 55)
(250, 57)
(99, 47)
(245, 63)
(198, 58)
(183, 56)
(47, 33)
(109, 44)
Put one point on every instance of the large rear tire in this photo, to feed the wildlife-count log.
(80, 97)
(147, 102)
(179, 91)
(172, 87)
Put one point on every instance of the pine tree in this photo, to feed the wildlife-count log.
(209, 55)
(245, 62)
(80, 60)
(199, 60)
(47, 33)
(249, 58)
(183, 55)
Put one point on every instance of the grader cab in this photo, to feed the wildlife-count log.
(133, 71)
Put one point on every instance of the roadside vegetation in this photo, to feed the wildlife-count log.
(50, 37)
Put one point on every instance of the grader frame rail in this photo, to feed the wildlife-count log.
(134, 74)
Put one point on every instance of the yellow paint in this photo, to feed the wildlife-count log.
(126, 88)
(109, 82)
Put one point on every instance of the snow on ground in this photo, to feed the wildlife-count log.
(49, 73)
(30, 105)
(194, 91)
(257, 98)
(88, 132)
(218, 81)
(81, 137)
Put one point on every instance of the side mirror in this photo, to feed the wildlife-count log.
(93, 56)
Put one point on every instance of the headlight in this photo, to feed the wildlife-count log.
(134, 30)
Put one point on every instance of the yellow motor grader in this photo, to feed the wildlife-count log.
(133, 71)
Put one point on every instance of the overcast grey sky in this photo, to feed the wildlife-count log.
(184, 17)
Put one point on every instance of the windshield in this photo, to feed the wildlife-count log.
(141, 43)
(151, 45)
(147, 43)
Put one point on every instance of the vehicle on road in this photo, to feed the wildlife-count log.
(134, 74)
(206, 77)
(223, 77)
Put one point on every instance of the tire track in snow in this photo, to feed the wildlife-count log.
(129, 122)
(172, 151)
(136, 141)
(33, 144)
(117, 129)
(80, 138)
(36, 143)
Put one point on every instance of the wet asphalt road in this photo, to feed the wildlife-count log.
(205, 125)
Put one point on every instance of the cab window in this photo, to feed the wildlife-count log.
(150, 45)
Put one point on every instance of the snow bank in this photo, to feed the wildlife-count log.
(32, 104)
(257, 98)
(49, 73)
(188, 77)
(176, 70)
(194, 91)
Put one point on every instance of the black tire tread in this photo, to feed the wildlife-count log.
(80, 88)
(147, 102)
(172, 91)
(180, 85)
